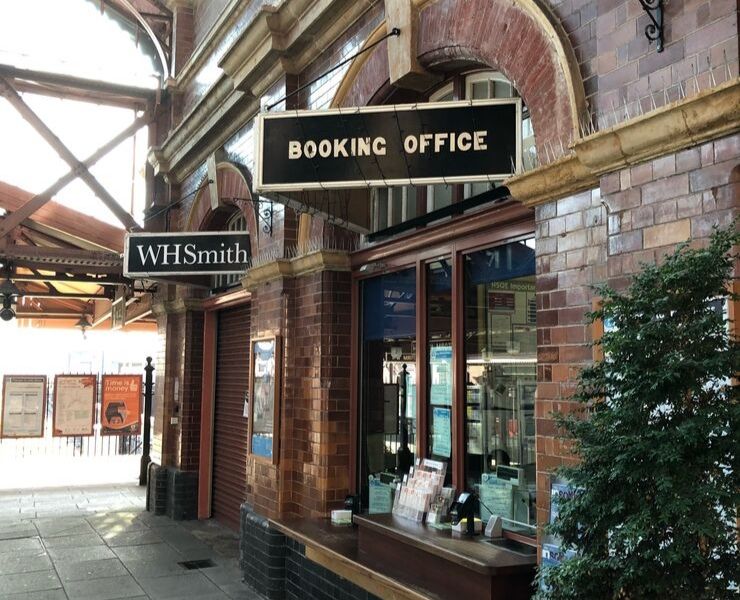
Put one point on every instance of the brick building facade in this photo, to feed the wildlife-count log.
(634, 152)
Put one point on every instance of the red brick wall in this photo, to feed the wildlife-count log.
(700, 40)
(191, 392)
(311, 314)
(206, 13)
(657, 204)
(183, 39)
(179, 356)
(647, 209)
(571, 256)
(320, 94)
(317, 390)
(264, 479)
(504, 37)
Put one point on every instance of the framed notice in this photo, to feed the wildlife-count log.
(74, 404)
(264, 390)
(23, 406)
(120, 413)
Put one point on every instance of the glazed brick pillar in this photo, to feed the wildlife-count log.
(657, 204)
(571, 257)
(265, 479)
(317, 394)
(179, 364)
(312, 314)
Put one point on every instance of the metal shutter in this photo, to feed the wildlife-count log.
(229, 424)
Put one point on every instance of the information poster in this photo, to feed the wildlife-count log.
(121, 407)
(441, 432)
(380, 497)
(23, 406)
(496, 497)
(440, 369)
(263, 396)
(74, 404)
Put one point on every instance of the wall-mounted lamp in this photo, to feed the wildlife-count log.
(83, 324)
(9, 294)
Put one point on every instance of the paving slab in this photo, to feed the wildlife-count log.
(60, 526)
(28, 546)
(73, 541)
(148, 551)
(240, 591)
(80, 554)
(57, 594)
(154, 567)
(90, 569)
(18, 529)
(103, 589)
(100, 544)
(15, 583)
(190, 585)
(13, 563)
(132, 538)
(224, 573)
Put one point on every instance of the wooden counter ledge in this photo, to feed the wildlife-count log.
(472, 553)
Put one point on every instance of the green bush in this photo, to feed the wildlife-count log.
(656, 432)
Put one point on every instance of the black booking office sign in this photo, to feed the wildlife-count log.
(199, 253)
(443, 142)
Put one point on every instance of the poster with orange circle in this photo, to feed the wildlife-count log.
(120, 413)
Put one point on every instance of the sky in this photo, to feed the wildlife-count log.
(72, 37)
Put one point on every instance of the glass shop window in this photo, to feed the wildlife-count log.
(388, 389)
(439, 361)
(500, 370)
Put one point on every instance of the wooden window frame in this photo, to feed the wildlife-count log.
(510, 223)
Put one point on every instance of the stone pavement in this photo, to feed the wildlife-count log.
(99, 543)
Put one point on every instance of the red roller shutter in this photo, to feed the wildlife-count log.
(230, 426)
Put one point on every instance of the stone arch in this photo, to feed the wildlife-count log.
(234, 182)
(490, 33)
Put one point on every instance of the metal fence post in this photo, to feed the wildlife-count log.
(148, 386)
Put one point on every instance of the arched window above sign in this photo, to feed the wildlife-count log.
(394, 205)
(237, 222)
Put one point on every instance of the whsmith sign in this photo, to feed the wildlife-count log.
(443, 142)
(200, 253)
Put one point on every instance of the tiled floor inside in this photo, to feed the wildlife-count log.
(99, 543)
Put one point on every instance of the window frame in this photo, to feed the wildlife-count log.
(489, 232)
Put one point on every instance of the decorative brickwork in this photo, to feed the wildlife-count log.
(640, 214)
(701, 49)
(655, 205)
(491, 33)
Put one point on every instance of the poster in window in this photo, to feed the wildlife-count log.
(440, 369)
(23, 406)
(264, 391)
(74, 404)
(441, 431)
(120, 413)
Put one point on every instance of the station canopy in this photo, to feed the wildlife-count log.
(61, 266)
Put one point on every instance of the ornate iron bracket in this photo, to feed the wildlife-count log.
(264, 215)
(654, 29)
